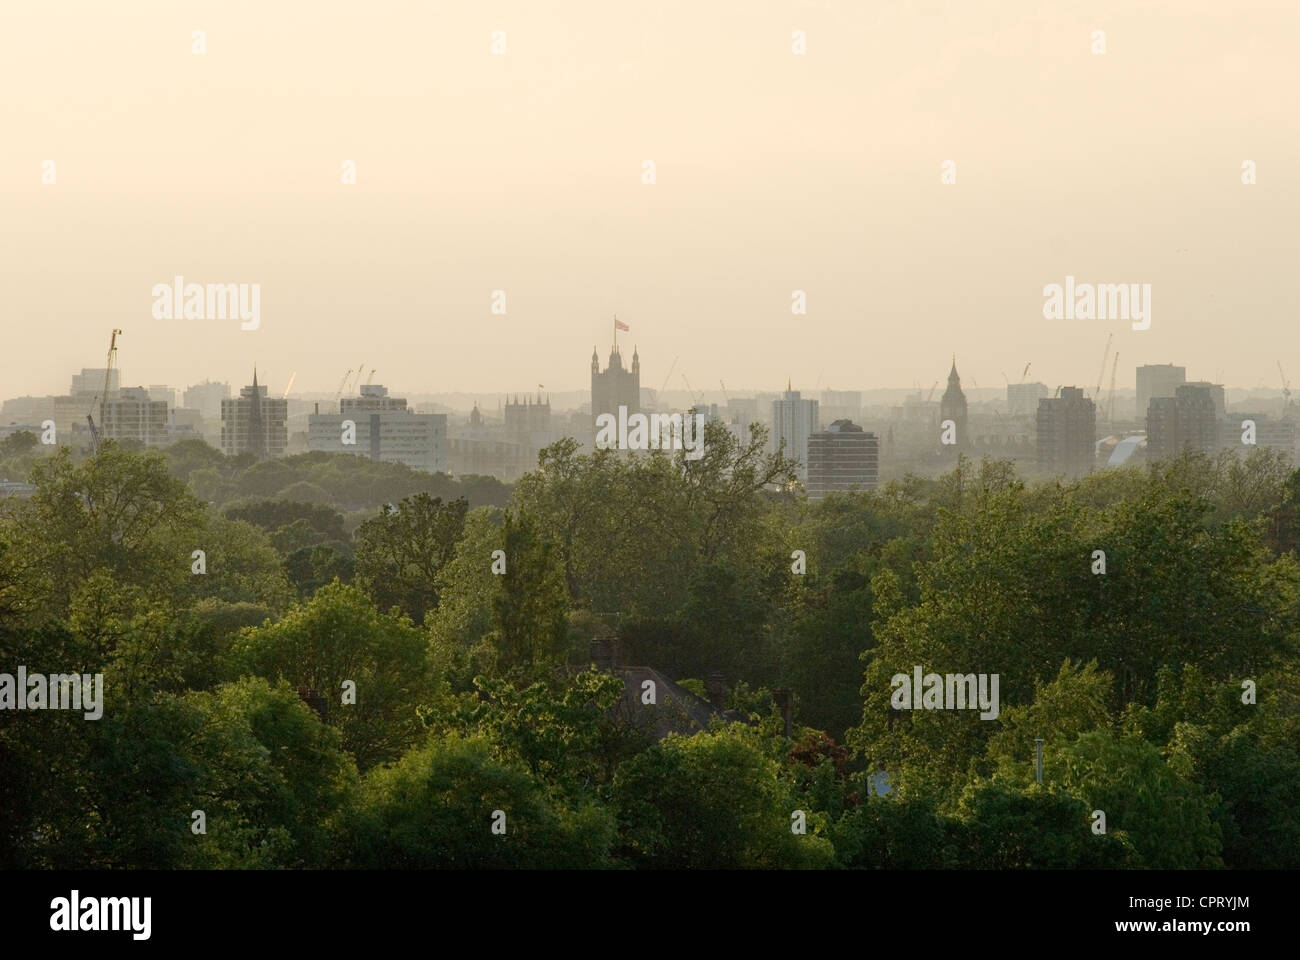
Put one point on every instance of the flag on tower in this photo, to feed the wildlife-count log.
(620, 325)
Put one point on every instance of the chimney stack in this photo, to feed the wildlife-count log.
(717, 692)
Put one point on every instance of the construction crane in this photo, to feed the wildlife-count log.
(1105, 355)
(1026, 371)
(370, 378)
(725, 398)
(671, 367)
(103, 396)
(1286, 390)
(289, 386)
(342, 383)
(1110, 400)
(695, 399)
(931, 393)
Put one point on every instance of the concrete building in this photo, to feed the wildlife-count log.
(1022, 398)
(373, 398)
(160, 391)
(384, 429)
(615, 386)
(840, 405)
(132, 415)
(843, 457)
(794, 420)
(1269, 432)
(1067, 433)
(90, 382)
(206, 398)
(1215, 391)
(1157, 380)
(1185, 420)
(254, 423)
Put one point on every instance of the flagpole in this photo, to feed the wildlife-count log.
(616, 333)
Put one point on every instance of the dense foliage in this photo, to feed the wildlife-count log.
(380, 668)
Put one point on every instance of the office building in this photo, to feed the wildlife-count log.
(133, 415)
(842, 458)
(1022, 398)
(254, 423)
(794, 420)
(1067, 433)
(1157, 380)
(1186, 420)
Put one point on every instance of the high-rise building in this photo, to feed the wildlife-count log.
(373, 398)
(1157, 380)
(842, 457)
(1067, 433)
(614, 387)
(160, 391)
(206, 398)
(132, 415)
(1022, 398)
(254, 423)
(393, 434)
(90, 382)
(794, 420)
(952, 406)
(1216, 394)
(1185, 420)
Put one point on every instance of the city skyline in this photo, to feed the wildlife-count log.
(776, 172)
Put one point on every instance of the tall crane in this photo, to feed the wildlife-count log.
(695, 398)
(1026, 371)
(931, 393)
(342, 383)
(671, 367)
(103, 396)
(1286, 390)
(289, 386)
(1105, 355)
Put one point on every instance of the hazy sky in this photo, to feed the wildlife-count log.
(522, 172)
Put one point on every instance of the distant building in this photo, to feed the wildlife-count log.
(206, 398)
(1269, 432)
(794, 420)
(1185, 420)
(1215, 391)
(254, 423)
(160, 391)
(1067, 433)
(132, 415)
(614, 387)
(373, 398)
(531, 417)
(384, 430)
(842, 457)
(840, 405)
(1157, 380)
(952, 406)
(90, 382)
(1022, 398)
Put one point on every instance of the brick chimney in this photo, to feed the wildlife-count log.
(716, 690)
